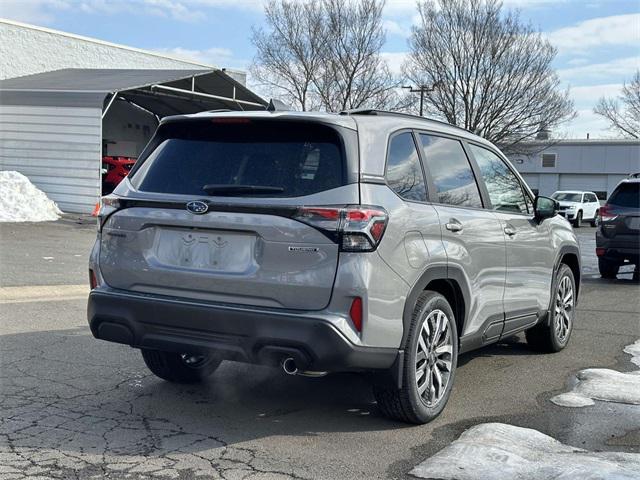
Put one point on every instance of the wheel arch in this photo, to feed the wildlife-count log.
(451, 283)
(570, 256)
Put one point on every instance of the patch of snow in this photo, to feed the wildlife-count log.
(634, 351)
(21, 201)
(571, 399)
(495, 451)
(605, 384)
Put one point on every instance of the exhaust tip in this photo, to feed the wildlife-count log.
(289, 366)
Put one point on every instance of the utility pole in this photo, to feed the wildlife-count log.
(421, 89)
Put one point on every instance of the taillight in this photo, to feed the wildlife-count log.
(606, 215)
(356, 229)
(355, 312)
(108, 205)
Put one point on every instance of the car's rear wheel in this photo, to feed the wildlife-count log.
(179, 367)
(429, 364)
(578, 220)
(596, 219)
(553, 334)
(608, 268)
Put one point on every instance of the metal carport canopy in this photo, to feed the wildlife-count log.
(162, 92)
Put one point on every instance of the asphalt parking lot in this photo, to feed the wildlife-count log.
(75, 407)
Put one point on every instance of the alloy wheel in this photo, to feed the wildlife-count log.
(434, 351)
(564, 309)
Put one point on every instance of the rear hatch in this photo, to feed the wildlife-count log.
(211, 212)
(621, 215)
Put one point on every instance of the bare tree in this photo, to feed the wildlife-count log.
(354, 75)
(325, 54)
(292, 52)
(490, 73)
(623, 115)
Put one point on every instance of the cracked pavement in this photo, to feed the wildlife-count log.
(75, 407)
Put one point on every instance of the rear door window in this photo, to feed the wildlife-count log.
(286, 159)
(626, 195)
(450, 171)
(404, 173)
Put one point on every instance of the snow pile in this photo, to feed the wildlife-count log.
(21, 201)
(495, 451)
(634, 351)
(605, 384)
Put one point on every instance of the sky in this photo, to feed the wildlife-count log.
(598, 41)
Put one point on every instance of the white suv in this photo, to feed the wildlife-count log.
(578, 206)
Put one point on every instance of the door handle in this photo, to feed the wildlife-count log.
(509, 230)
(454, 226)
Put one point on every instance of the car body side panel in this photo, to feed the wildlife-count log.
(478, 250)
(530, 259)
(413, 239)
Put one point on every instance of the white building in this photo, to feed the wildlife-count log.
(592, 165)
(66, 100)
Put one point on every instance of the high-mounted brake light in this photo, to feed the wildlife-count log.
(355, 228)
(230, 120)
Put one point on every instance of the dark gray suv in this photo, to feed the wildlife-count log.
(364, 241)
(618, 238)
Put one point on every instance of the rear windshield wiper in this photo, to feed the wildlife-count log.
(230, 190)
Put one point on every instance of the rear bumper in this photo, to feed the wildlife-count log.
(252, 335)
(622, 247)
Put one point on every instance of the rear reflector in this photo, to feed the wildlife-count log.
(355, 312)
(600, 251)
(93, 281)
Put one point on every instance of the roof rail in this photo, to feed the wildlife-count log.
(373, 111)
(634, 175)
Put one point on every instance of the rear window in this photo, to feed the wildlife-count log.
(626, 195)
(288, 159)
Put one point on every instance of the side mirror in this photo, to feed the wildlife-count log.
(545, 207)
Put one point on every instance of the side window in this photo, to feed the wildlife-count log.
(404, 174)
(449, 167)
(505, 190)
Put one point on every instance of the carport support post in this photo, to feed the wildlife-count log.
(113, 97)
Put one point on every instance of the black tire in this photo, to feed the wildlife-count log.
(578, 220)
(548, 336)
(176, 367)
(407, 404)
(607, 268)
(596, 219)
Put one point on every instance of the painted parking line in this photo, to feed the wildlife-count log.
(42, 293)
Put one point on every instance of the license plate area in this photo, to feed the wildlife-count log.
(216, 251)
(633, 223)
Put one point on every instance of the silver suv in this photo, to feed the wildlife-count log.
(364, 241)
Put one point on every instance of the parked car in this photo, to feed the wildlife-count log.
(367, 241)
(618, 238)
(578, 206)
(114, 169)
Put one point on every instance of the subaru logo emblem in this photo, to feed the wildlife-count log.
(198, 207)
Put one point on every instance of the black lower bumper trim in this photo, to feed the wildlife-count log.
(229, 332)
